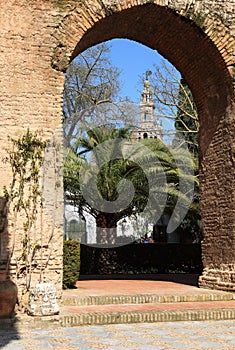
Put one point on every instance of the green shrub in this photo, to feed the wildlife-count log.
(71, 262)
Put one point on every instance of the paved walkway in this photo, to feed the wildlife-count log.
(163, 285)
(132, 312)
(212, 335)
(100, 300)
(145, 293)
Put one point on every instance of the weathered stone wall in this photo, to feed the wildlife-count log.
(31, 97)
(38, 40)
(217, 205)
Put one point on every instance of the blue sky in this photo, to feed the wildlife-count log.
(133, 60)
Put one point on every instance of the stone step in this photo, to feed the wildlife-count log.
(133, 313)
(99, 318)
(144, 298)
(150, 299)
(191, 307)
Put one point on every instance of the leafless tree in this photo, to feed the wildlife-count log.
(174, 104)
(91, 94)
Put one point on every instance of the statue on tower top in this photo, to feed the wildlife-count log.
(147, 73)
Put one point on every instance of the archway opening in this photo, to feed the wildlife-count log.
(87, 107)
(186, 46)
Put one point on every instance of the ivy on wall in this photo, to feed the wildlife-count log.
(24, 196)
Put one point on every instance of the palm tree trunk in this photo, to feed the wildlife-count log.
(106, 234)
(106, 228)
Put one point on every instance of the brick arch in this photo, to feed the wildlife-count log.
(202, 50)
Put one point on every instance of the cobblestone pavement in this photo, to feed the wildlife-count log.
(146, 336)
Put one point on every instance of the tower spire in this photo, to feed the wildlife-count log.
(147, 108)
(148, 127)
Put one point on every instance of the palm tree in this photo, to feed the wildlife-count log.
(121, 179)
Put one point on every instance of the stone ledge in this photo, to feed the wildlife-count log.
(137, 317)
(145, 298)
(102, 318)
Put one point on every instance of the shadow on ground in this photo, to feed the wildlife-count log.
(188, 279)
(8, 332)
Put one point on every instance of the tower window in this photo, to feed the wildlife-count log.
(146, 116)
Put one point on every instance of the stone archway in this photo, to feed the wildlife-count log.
(197, 37)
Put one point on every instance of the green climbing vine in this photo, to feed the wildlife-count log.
(24, 197)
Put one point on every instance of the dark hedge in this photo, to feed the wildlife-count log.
(71, 262)
(143, 258)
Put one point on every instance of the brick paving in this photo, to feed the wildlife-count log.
(212, 335)
(167, 285)
(143, 293)
(151, 307)
(139, 299)
(131, 312)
